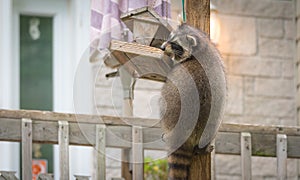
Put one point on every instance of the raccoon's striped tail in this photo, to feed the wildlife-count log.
(179, 164)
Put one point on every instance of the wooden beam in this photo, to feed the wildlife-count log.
(48, 117)
(227, 142)
(198, 15)
(77, 118)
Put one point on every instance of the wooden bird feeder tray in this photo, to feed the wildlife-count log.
(142, 59)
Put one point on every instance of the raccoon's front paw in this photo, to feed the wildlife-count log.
(207, 149)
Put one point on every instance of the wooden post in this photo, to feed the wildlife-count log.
(26, 149)
(100, 152)
(126, 80)
(137, 153)
(246, 153)
(63, 142)
(198, 15)
(281, 143)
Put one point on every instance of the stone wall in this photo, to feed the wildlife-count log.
(258, 45)
(257, 42)
(297, 59)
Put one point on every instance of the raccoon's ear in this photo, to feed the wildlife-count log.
(192, 40)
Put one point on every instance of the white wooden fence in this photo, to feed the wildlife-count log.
(104, 131)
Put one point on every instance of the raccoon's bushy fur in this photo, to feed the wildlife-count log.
(192, 97)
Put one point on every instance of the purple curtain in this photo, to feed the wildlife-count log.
(105, 18)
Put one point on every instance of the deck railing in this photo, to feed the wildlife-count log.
(105, 131)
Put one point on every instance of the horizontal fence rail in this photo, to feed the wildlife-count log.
(82, 131)
(137, 134)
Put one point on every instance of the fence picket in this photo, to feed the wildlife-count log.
(63, 141)
(100, 166)
(281, 142)
(246, 152)
(26, 148)
(137, 153)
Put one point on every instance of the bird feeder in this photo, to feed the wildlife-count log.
(147, 26)
(142, 58)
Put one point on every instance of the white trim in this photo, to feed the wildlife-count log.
(7, 98)
(62, 70)
(9, 152)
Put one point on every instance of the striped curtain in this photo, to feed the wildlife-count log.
(105, 18)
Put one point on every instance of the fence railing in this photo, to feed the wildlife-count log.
(137, 134)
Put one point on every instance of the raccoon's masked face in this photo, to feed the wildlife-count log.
(179, 45)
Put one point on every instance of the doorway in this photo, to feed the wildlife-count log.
(36, 78)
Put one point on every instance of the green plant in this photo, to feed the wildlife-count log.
(155, 169)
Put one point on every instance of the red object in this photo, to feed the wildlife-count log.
(38, 166)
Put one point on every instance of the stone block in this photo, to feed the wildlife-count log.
(270, 107)
(112, 96)
(276, 48)
(251, 120)
(256, 8)
(292, 168)
(290, 29)
(146, 104)
(298, 27)
(298, 97)
(142, 84)
(274, 87)
(288, 70)
(235, 95)
(109, 110)
(226, 63)
(298, 52)
(254, 66)
(298, 7)
(298, 75)
(249, 85)
(238, 35)
(228, 177)
(228, 164)
(272, 28)
(259, 165)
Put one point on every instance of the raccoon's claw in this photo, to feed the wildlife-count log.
(162, 137)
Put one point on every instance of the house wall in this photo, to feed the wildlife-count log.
(258, 43)
(297, 59)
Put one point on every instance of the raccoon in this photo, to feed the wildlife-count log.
(193, 97)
